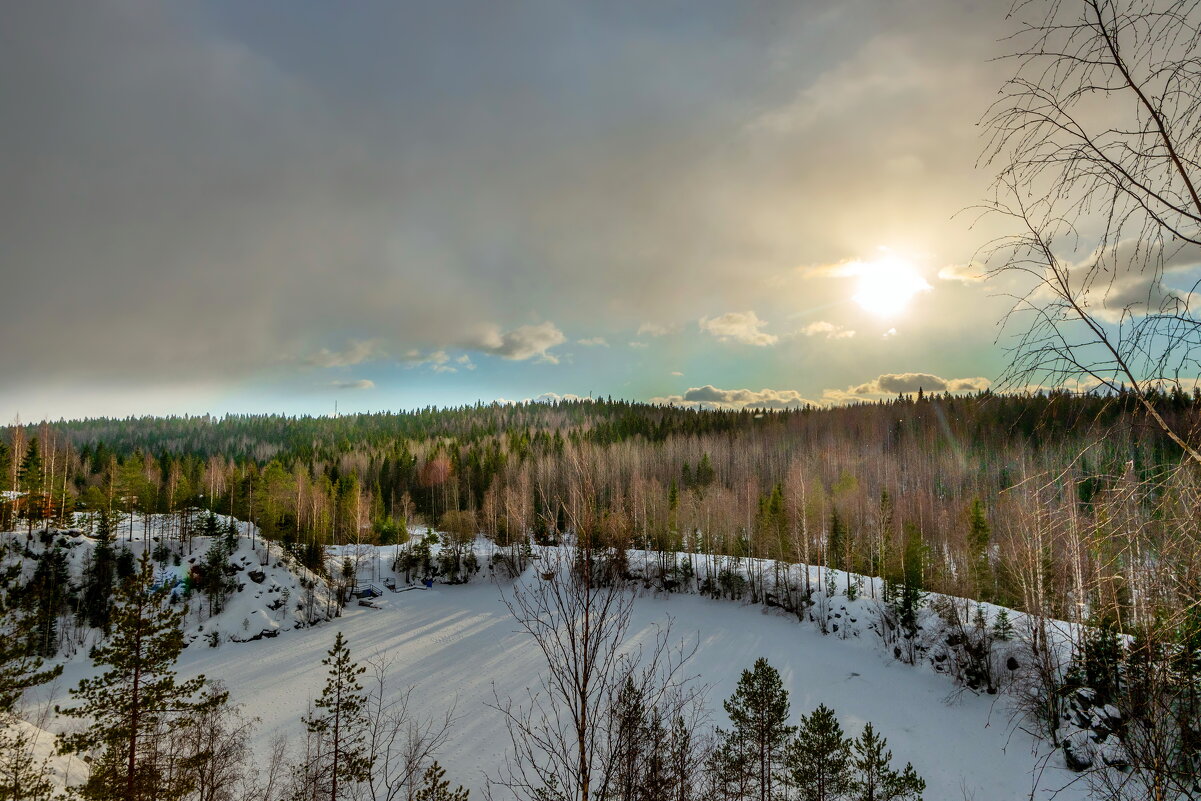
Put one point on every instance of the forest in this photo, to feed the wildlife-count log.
(1076, 507)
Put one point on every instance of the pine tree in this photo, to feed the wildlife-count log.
(134, 707)
(751, 754)
(435, 788)
(875, 779)
(819, 758)
(20, 666)
(338, 723)
(21, 777)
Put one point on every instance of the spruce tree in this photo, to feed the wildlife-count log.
(30, 481)
(98, 574)
(46, 597)
(338, 723)
(751, 755)
(875, 779)
(133, 708)
(819, 758)
(977, 542)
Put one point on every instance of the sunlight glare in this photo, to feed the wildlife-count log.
(886, 286)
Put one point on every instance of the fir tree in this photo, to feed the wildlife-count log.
(98, 574)
(1002, 626)
(46, 597)
(819, 758)
(338, 723)
(838, 542)
(978, 533)
(133, 708)
(751, 754)
(875, 779)
(30, 480)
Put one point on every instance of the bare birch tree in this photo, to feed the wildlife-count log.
(1097, 141)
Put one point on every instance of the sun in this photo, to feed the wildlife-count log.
(886, 285)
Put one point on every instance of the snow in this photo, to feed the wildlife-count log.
(62, 771)
(458, 646)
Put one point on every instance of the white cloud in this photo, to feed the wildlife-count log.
(743, 327)
(676, 373)
(657, 329)
(637, 345)
(362, 383)
(898, 383)
(970, 273)
(546, 397)
(356, 352)
(593, 342)
(711, 397)
(519, 344)
(827, 330)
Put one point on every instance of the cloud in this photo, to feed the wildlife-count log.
(827, 330)
(743, 327)
(1131, 278)
(657, 329)
(898, 383)
(547, 397)
(362, 383)
(519, 344)
(676, 373)
(710, 397)
(593, 342)
(239, 193)
(637, 345)
(438, 361)
(970, 273)
(355, 352)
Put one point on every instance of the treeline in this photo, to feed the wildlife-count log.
(1054, 503)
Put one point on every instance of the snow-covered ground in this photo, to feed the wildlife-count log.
(457, 646)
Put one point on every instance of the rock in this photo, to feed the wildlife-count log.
(1012, 663)
(1076, 755)
(257, 576)
(1086, 697)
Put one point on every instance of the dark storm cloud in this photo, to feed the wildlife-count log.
(226, 188)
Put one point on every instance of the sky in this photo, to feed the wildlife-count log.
(279, 206)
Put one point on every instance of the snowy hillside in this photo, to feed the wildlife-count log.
(269, 593)
(458, 645)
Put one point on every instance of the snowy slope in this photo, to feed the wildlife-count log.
(457, 645)
(272, 594)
